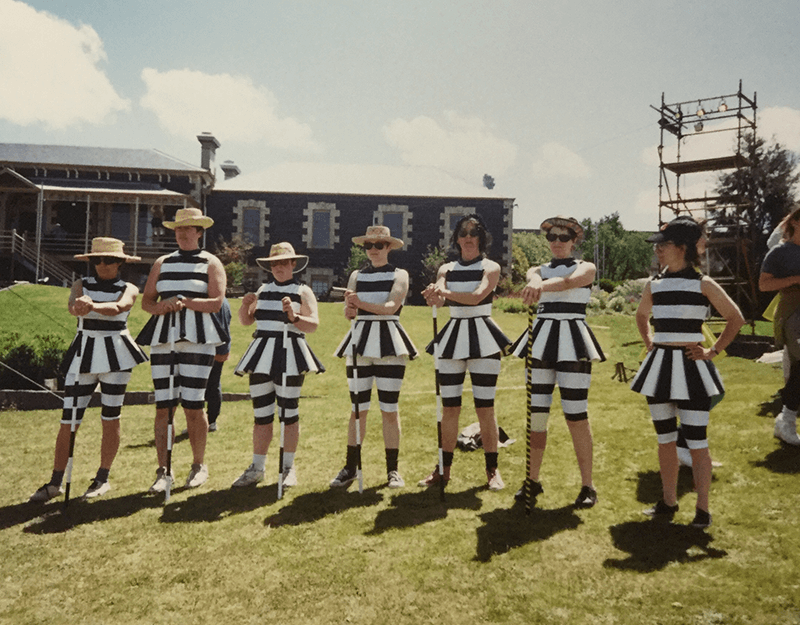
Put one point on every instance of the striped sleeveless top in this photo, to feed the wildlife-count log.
(679, 307)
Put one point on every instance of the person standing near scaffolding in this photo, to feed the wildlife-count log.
(102, 352)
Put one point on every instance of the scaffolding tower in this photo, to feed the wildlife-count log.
(700, 139)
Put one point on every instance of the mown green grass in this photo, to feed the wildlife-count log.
(214, 555)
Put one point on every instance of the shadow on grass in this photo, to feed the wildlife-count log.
(653, 545)
(216, 505)
(771, 407)
(649, 488)
(510, 528)
(179, 438)
(56, 519)
(423, 506)
(314, 506)
(785, 459)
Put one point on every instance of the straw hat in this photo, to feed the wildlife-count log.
(189, 217)
(283, 251)
(563, 221)
(379, 233)
(106, 246)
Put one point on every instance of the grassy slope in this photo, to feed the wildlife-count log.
(218, 556)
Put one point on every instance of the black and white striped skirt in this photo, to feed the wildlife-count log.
(100, 352)
(560, 340)
(378, 337)
(669, 375)
(266, 355)
(467, 338)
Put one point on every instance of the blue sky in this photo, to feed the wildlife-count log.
(550, 98)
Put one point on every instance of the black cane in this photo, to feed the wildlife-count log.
(438, 402)
(528, 486)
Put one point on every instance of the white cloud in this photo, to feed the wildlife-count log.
(49, 71)
(783, 123)
(555, 160)
(231, 107)
(463, 147)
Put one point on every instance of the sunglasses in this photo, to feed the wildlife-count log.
(108, 260)
(378, 245)
(560, 237)
(468, 233)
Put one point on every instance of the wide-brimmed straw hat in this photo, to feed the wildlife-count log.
(189, 217)
(681, 230)
(565, 222)
(106, 246)
(283, 251)
(379, 233)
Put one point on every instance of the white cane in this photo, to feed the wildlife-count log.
(359, 473)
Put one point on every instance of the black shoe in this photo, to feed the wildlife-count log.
(661, 510)
(702, 519)
(586, 498)
(536, 490)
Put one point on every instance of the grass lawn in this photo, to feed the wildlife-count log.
(214, 555)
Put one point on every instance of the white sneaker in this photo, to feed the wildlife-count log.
(786, 430)
(250, 477)
(684, 457)
(160, 485)
(46, 493)
(289, 477)
(96, 489)
(197, 476)
(395, 480)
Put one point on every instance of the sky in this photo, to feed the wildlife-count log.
(551, 99)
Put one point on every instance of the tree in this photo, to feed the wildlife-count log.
(621, 255)
(431, 262)
(534, 246)
(234, 254)
(358, 259)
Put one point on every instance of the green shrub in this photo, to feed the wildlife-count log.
(510, 305)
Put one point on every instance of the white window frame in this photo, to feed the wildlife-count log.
(308, 224)
(383, 209)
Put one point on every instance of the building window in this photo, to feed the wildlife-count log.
(251, 221)
(320, 279)
(319, 226)
(450, 218)
(397, 218)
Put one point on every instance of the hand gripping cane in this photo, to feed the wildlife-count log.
(282, 418)
(359, 474)
(438, 402)
(528, 486)
(170, 408)
(73, 422)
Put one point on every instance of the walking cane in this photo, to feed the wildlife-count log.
(170, 408)
(282, 418)
(528, 392)
(73, 423)
(438, 402)
(359, 474)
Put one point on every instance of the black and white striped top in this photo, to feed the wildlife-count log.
(470, 332)
(266, 353)
(183, 273)
(378, 335)
(560, 333)
(103, 343)
(679, 307)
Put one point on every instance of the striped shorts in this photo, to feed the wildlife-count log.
(386, 373)
(191, 366)
(483, 373)
(266, 392)
(693, 415)
(573, 379)
(112, 390)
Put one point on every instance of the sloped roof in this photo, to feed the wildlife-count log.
(105, 158)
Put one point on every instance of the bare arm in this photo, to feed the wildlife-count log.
(533, 290)
(582, 276)
(734, 320)
(491, 276)
(768, 282)
(350, 309)
(643, 317)
(150, 301)
(248, 309)
(390, 306)
(308, 319)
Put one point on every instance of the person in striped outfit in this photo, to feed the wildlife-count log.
(103, 352)
(563, 349)
(281, 304)
(678, 376)
(469, 341)
(182, 291)
(374, 298)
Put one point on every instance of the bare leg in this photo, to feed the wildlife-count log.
(538, 445)
(109, 446)
(581, 433)
(668, 461)
(701, 472)
(61, 456)
(197, 424)
(391, 429)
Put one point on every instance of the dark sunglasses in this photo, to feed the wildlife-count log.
(561, 237)
(469, 233)
(108, 260)
(378, 245)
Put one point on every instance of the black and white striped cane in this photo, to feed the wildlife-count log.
(170, 408)
(73, 422)
(282, 418)
(359, 473)
(528, 393)
(438, 402)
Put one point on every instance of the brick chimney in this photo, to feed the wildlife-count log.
(208, 150)
(230, 169)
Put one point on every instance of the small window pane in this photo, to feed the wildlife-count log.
(394, 221)
(251, 224)
(320, 288)
(321, 229)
